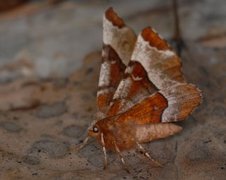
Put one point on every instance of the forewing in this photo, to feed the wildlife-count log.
(161, 63)
(147, 111)
(163, 69)
(118, 44)
(153, 66)
(133, 88)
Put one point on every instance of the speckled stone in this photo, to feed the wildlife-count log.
(73, 131)
(11, 126)
(53, 110)
(31, 160)
(54, 149)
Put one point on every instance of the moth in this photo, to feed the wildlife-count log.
(141, 91)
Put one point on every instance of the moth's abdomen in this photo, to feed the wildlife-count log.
(150, 132)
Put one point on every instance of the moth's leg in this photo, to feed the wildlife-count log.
(146, 154)
(150, 132)
(104, 151)
(121, 158)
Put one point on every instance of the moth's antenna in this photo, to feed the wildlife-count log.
(81, 145)
(177, 38)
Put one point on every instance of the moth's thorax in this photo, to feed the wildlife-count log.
(115, 133)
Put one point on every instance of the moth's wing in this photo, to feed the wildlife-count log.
(147, 111)
(146, 61)
(163, 69)
(182, 99)
(161, 63)
(133, 88)
(118, 44)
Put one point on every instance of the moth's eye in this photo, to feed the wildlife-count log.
(95, 129)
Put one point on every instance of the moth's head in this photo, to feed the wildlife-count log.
(99, 127)
(94, 130)
(103, 131)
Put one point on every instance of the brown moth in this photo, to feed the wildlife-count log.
(141, 90)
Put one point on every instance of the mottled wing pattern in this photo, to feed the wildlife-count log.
(151, 69)
(163, 69)
(182, 99)
(137, 84)
(118, 44)
(134, 87)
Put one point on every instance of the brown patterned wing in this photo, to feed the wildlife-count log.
(119, 41)
(148, 110)
(133, 88)
(163, 69)
(182, 99)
